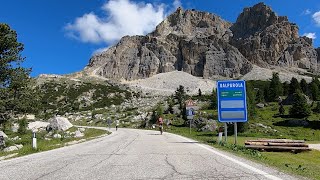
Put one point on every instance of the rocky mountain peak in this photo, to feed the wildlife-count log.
(193, 23)
(258, 18)
(204, 45)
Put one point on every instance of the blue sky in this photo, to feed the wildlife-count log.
(61, 36)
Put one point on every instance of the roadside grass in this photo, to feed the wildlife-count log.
(266, 124)
(45, 145)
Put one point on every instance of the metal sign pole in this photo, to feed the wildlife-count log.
(235, 133)
(190, 126)
(225, 132)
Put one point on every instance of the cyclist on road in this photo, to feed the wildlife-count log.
(117, 124)
(160, 123)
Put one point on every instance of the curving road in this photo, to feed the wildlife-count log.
(135, 154)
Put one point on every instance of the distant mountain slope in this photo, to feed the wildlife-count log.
(204, 45)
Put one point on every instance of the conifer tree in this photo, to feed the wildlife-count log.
(17, 96)
(304, 86)
(300, 107)
(294, 86)
(275, 88)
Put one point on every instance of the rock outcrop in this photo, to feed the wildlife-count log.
(190, 41)
(267, 39)
(204, 45)
(59, 123)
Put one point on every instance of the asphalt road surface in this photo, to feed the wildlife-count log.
(136, 154)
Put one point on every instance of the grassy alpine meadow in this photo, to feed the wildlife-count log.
(45, 144)
(266, 124)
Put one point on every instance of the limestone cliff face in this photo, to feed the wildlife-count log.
(190, 41)
(267, 39)
(205, 45)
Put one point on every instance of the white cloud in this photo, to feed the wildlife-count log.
(310, 35)
(123, 17)
(306, 12)
(316, 17)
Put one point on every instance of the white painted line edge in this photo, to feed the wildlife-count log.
(258, 171)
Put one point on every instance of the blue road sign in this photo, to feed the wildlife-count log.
(232, 103)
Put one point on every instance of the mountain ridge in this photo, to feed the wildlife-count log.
(204, 45)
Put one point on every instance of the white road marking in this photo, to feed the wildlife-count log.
(258, 171)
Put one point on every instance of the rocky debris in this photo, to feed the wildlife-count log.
(260, 105)
(15, 127)
(211, 126)
(57, 136)
(267, 39)
(78, 134)
(167, 83)
(13, 148)
(82, 129)
(37, 125)
(285, 74)
(265, 127)
(98, 116)
(3, 134)
(59, 123)
(8, 156)
(16, 138)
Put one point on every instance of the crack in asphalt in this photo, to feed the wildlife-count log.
(116, 151)
(175, 171)
(46, 174)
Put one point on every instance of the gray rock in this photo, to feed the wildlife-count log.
(3, 134)
(13, 148)
(211, 125)
(81, 129)
(78, 134)
(37, 125)
(16, 138)
(15, 127)
(260, 105)
(57, 136)
(59, 123)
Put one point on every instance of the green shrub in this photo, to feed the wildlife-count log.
(22, 126)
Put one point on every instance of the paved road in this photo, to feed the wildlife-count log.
(135, 154)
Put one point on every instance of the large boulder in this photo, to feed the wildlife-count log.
(59, 123)
(35, 126)
(13, 148)
(3, 134)
(211, 125)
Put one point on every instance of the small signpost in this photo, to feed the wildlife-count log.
(109, 121)
(190, 112)
(232, 103)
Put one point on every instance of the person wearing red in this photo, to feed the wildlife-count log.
(160, 123)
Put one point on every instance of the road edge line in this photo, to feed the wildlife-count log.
(267, 175)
